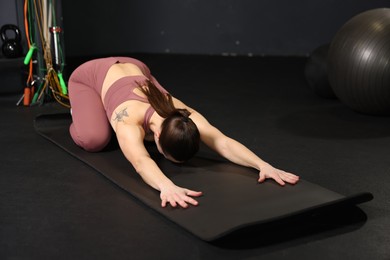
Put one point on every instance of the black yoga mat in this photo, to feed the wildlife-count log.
(232, 198)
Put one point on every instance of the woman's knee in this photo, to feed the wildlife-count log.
(91, 141)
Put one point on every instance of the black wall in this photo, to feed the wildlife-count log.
(11, 12)
(227, 27)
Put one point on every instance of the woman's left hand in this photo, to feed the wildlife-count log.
(281, 177)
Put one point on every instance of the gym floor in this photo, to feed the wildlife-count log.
(52, 206)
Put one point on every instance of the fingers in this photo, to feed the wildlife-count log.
(173, 201)
(194, 193)
(191, 201)
(272, 175)
(281, 177)
(279, 180)
(182, 200)
(261, 178)
(163, 202)
(290, 178)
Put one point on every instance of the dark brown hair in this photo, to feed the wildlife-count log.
(179, 137)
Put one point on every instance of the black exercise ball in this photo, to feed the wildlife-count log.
(359, 62)
(316, 72)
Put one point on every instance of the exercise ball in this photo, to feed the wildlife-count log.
(359, 62)
(316, 72)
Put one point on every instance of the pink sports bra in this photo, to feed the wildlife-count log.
(122, 90)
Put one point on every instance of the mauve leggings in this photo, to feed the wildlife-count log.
(91, 128)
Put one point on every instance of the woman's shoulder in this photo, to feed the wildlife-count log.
(129, 112)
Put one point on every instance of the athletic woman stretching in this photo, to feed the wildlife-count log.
(121, 93)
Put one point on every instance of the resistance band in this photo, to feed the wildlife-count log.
(43, 41)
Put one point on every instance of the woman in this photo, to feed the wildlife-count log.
(120, 93)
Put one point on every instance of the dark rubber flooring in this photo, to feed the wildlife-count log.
(52, 206)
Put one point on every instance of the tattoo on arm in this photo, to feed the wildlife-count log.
(119, 116)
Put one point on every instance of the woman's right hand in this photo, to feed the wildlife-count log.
(176, 195)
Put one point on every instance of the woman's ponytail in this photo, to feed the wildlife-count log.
(179, 135)
(161, 102)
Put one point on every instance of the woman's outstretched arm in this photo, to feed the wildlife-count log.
(130, 138)
(238, 153)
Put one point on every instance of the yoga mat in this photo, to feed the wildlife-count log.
(232, 198)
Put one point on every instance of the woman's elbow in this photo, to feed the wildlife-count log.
(139, 164)
(222, 146)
